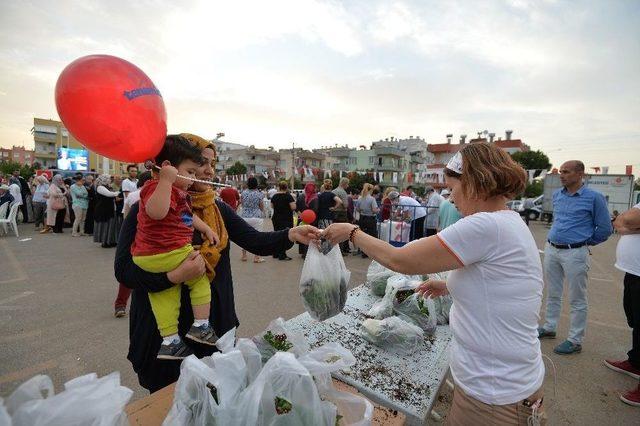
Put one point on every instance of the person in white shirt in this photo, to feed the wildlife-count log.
(412, 211)
(433, 211)
(15, 191)
(496, 285)
(628, 261)
(129, 185)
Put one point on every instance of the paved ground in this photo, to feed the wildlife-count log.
(56, 318)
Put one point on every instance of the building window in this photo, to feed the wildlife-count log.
(379, 161)
(372, 160)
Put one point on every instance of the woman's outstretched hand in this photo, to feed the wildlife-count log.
(304, 234)
(337, 232)
(432, 288)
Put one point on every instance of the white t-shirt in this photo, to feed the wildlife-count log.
(271, 193)
(129, 185)
(408, 204)
(628, 252)
(495, 352)
(433, 211)
(131, 199)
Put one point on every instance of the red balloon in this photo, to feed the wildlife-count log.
(112, 108)
(308, 216)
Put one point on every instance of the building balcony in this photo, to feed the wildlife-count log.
(388, 168)
(45, 155)
(389, 151)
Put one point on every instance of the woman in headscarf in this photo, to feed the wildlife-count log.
(56, 206)
(40, 191)
(105, 229)
(310, 203)
(145, 340)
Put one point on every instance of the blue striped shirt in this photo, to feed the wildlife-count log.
(581, 217)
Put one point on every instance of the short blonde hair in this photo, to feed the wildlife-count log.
(488, 171)
(388, 191)
(328, 185)
(366, 189)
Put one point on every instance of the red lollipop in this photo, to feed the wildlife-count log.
(112, 108)
(308, 216)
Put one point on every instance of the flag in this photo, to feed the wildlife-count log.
(629, 170)
(531, 173)
(605, 170)
(596, 169)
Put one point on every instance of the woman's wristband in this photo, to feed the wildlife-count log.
(353, 233)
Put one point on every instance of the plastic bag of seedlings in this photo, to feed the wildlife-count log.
(351, 410)
(283, 394)
(417, 310)
(402, 284)
(86, 400)
(279, 338)
(393, 334)
(377, 276)
(323, 283)
(250, 353)
(443, 306)
(196, 399)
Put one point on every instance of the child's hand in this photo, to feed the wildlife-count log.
(210, 235)
(168, 173)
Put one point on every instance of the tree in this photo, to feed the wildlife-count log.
(7, 167)
(636, 186)
(534, 189)
(532, 160)
(237, 169)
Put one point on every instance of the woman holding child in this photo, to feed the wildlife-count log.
(210, 257)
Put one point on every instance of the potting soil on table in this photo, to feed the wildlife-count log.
(407, 383)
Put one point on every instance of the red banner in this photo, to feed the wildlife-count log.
(629, 170)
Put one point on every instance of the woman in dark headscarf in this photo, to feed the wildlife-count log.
(145, 340)
(105, 229)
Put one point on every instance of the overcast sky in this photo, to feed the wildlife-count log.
(565, 76)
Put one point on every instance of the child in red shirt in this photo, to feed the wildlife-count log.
(163, 242)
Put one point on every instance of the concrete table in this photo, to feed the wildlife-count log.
(407, 383)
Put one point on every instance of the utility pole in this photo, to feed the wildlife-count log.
(293, 165)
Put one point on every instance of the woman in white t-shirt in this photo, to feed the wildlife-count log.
(496, 285)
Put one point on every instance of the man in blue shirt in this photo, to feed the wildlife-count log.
(580, 219)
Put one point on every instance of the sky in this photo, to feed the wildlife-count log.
(563, 75)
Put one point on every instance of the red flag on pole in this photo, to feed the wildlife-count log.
(629, 170)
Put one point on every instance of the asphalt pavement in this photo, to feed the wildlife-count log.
(56, 318)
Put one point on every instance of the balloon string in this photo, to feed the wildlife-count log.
(149, 165)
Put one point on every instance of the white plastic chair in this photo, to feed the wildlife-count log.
(11, 220)
(3, 210)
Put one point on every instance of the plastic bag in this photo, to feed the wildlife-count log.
(195, 400)
(384, 308)
(351, 410)
(419, 311)
(377, 276)
(5, 418)
(323, 283)
(443, 306)
(278, 338)
(250, 353)
(86, 400)
(284, 393)
(393, 334)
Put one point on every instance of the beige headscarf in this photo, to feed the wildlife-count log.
(204, 206)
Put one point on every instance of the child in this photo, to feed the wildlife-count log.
(163, 241)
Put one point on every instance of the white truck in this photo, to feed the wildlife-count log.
(617, 189)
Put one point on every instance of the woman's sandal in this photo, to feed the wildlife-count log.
(244, 259)
(260, 260)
